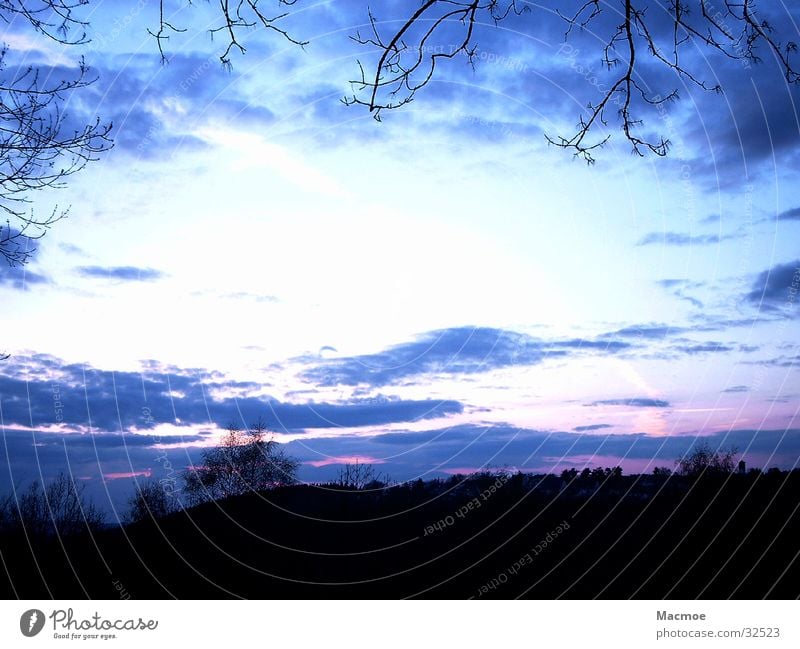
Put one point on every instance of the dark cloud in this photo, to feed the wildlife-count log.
(673, 283)
(737, 389)
(701, 322)
(284, 416)
(39, 391)
(790, 215)
(408, 454)
(678, 288)
(112, 416)
(462, 435)
(145, 100)
(755, 130)
(580, 429)
(636, 402)
(611, 346)
(121, 273)
(20, 278)
(710, 322)
(460, 350)
(691, 300)
(19, 247)
(780, 361)
(681, 239)
(703, 348)
(777, 288)
(650, 331)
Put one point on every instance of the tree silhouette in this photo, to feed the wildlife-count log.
(245, 461)
(58, 508)
(150, 501)
(702, 460)
(39, 146)
(569, 475)
(356, 476)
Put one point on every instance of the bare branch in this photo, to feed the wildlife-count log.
(407, 57)
(394, 82)
(55, 19)
(38, 149)
(237, 15)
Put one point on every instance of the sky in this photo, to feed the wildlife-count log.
(438, 292)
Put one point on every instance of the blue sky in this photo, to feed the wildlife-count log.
(437, 292)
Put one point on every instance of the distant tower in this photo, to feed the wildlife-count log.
(742, 467)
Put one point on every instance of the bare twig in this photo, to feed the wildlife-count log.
(407, 59)
(237, 15)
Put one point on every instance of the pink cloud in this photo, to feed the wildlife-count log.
(127, 474)
(346, 459)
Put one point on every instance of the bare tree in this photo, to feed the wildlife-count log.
(662, 31)
(702, 460)
(39, 148)
(59, 508)
(245, 461)
(151, 501)
(356, 476)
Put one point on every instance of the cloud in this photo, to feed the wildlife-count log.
(19, 247)
(780, 361)
(790, 215)
(460, 350)
(737, 389)
(755, 130)
(40, 391)
(292, 417)
(678, 288)
(251, 297)
(682, 282)
(71, 249)
(121, 273)
(700, 322)
(691, 300)
(649, 331)
(408, 454)
(636, 402)
(702, 348)
(151, 105)
(777, 288)
(347, 459)
(580, 429)
(681, 239)
(20, 278)
(26, 455)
